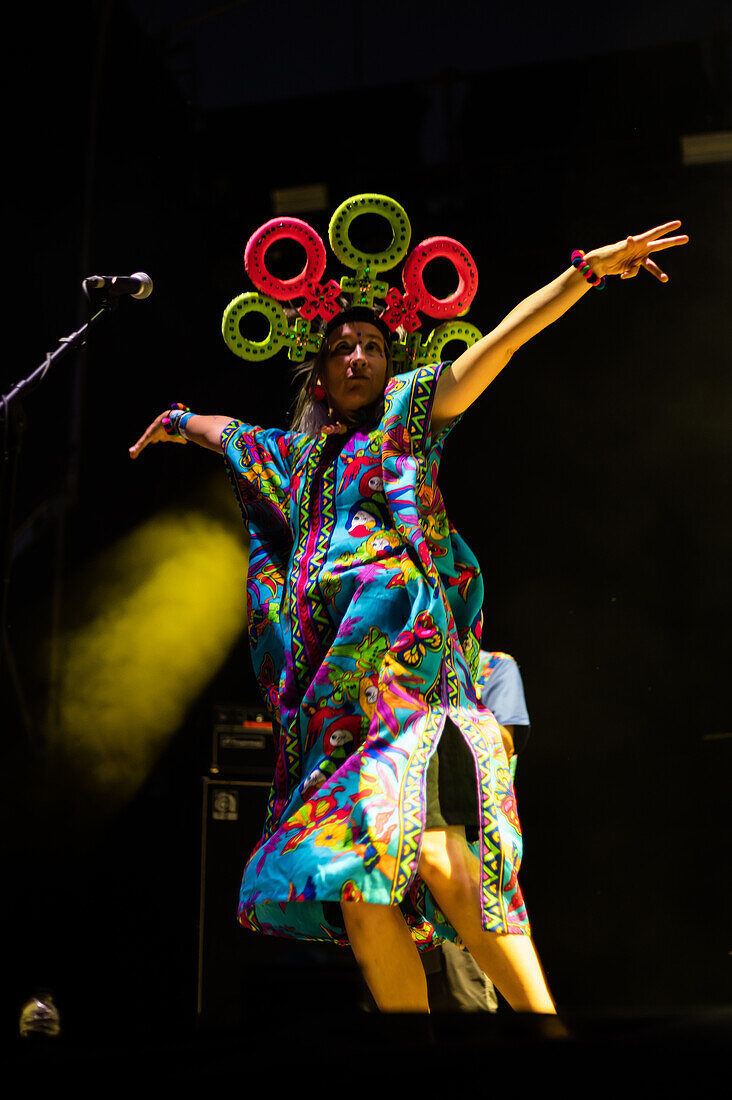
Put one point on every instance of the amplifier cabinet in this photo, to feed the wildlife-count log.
(245, 978)
(243, 742)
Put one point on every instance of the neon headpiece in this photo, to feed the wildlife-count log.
(320, 299)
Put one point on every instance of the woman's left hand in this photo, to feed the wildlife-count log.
(627, 257)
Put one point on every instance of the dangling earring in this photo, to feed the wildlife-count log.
(318, 391)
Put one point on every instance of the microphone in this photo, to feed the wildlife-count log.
(138, 285)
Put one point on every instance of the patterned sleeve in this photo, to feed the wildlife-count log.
(259, 463)
(410, 397)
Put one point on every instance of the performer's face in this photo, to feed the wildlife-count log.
(355, 369)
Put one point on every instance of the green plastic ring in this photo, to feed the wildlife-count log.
(254, 350)
(452, 330)
(348, 211)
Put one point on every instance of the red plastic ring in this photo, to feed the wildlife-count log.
(412, 276)
(290, 229)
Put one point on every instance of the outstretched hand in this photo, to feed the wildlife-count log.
(627, 257)
(156, 433)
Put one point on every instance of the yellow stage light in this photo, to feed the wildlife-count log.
(164, 608)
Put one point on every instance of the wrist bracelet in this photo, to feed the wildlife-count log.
(172, 421)
(182, 421)
(598, 281)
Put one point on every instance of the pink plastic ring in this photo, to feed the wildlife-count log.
(278, 229)
(412, 276)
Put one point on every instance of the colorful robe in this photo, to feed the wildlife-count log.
(364, 619)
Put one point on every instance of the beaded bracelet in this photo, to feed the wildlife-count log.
(171, 423)
(598, 281)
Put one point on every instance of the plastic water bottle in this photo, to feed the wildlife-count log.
(39, 1017)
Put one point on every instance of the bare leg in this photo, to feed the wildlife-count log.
(389, 960)
(452, 874)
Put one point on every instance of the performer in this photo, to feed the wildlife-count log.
(364, 619)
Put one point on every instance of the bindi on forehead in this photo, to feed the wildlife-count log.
(363, 338)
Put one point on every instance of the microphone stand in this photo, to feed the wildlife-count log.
(12, 424)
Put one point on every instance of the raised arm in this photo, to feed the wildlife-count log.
(474, 370)
(204, 430)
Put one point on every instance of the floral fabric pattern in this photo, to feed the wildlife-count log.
(364, 618)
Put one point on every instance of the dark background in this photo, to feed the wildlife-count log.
(592, 480)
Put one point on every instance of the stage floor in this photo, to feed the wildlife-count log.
(373, 1051)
